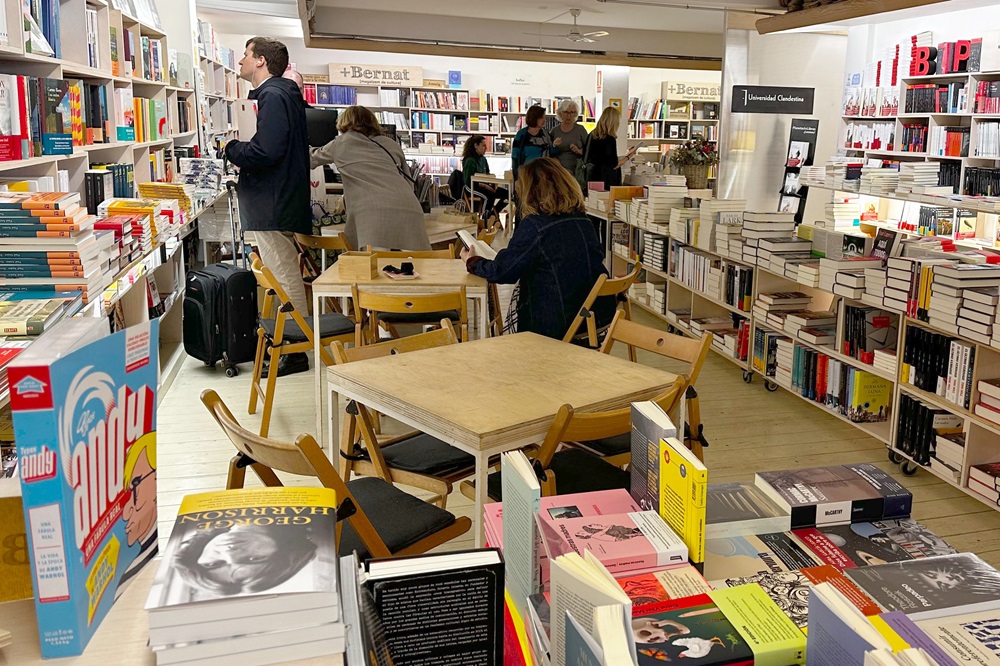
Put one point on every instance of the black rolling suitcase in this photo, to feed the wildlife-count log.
(220, 310)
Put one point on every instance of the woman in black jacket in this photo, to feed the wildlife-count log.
(603, 150)
(554, 254)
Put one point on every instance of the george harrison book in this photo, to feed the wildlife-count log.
(836, 495)
(86, 439)
(445, 609)
(931, 587)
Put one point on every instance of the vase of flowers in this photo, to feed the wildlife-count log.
(693, 159)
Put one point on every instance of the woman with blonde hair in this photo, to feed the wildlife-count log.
(603, 150)
(382, 210)
(554, 254)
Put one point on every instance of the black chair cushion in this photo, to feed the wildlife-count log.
(577, 471)
(330, 325)
(400, 519)
(424, 454)
(610, 446)
(418, 317)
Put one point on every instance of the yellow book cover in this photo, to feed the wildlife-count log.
(683, 495)
(15, 568)
(895, 641)
(771, 635)
(871, 398)
(249, 542)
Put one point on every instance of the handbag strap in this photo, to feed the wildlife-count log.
(586, 151)
(399, 168)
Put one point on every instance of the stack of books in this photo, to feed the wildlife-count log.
(783, 362)
(772, 308)
(787, 263)
(654, 251)
(834, 244)
(949, 452)
(709, 212)
(704, 325)
(808, 325)
(178, 192)
(843, 212)
(657, 294)
(843, 175)
(988, 406)
(729, 239)
(984, 480)
(878, 181)
(808, 273)
(884, 360)
(875, 279)
(849, 284)
(776, 228)
(848, 272)
(266, 590)
(682, 224)
(909, 282)
(977, 314)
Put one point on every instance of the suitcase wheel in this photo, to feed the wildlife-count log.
(232, 371)
(210, 365)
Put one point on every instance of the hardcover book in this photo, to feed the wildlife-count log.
(836, 495)
(87, 443)
(931, 587)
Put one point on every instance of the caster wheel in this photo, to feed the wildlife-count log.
(209, 365)
(770, 386)
(908, 468)
(895, 458)
(232, 371)
(747, 376)
(671, 330)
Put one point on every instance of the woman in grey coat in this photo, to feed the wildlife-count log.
(382, 210)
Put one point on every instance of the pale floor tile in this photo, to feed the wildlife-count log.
(749, 430)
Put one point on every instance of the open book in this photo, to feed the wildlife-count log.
(480, 248)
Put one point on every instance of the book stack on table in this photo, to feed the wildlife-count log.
(829, 549)
(843, 212)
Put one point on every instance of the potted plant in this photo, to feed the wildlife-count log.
(693, 159)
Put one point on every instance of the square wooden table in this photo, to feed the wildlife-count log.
(436, 276)
(122, 637)
(497, 394)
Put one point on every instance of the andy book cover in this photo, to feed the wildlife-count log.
(85, 424)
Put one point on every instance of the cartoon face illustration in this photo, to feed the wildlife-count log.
(139, 511)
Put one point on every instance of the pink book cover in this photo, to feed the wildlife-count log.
(622, 542)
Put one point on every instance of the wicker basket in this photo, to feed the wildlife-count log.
(696, 175)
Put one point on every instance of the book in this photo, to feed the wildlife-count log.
(683, 489)
(581, 584)
(581, 648)
(480, 248)
(650, 425)
(621, 542)
(689, 630)
(246, 118)
(445, 608)
(865, 544)
(87, 539)
(673, 582)
(772, 636)
(522, 500)
(741, 509)
(838, 632)
(206, 590)
(734, 557)
(968, 638)
(836, 495)
(931, 587)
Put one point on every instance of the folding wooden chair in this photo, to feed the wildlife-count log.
(287, 332)
(572, 469)
(604, 287)
(676, 347)
(386, 521)
(413, 458)
(374, 309)
(307, 262)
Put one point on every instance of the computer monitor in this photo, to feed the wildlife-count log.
(321, 126)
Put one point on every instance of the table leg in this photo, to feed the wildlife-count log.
(484, 316)
(319, 369)
(482, 496)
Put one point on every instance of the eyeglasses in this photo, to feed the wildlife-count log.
(134, 486)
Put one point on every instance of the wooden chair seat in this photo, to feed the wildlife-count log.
(399, 518)
(330, 325)
(576, 471)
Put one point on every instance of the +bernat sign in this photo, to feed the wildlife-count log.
(686, 91)
(376, 75)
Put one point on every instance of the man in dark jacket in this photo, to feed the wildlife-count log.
(274, 173)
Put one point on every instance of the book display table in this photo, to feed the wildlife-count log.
(498, 394)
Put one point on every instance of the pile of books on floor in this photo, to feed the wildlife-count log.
(829, 549)
(263, 589)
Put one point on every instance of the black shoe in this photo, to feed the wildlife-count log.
(289, 364)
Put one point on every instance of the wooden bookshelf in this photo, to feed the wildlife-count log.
(678, 121)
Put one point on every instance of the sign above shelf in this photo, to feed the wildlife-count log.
(375, 75)
(687, 91)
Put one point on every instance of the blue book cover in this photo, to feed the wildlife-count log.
(57, 138)
(86, 435)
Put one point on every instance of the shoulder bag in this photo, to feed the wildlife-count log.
(584, 168)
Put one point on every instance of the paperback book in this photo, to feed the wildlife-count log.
(865, 544)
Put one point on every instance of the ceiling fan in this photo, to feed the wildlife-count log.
(574, 35)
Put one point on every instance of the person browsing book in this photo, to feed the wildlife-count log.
(273, 186)
(474, 162)
(603, 150)
(569, 136)
(382, 210)
(554, 255)
(531, 141)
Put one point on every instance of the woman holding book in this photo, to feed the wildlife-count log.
(554, 255)
(474, 162)
(382, 210)
(603, 150)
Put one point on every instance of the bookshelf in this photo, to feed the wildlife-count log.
(678, 300)
(668, 121)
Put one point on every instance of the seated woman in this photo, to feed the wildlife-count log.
(473, 162)
(554, 253)
(382, 210)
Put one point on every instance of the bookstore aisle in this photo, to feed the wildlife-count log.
(749, 429)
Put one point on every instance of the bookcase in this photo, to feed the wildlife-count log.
(672, 121)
